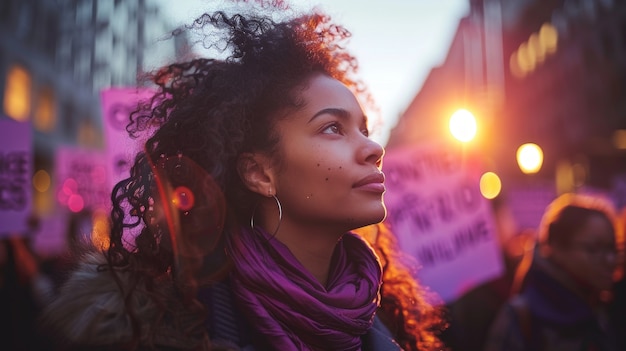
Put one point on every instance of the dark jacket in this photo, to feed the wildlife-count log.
(550, 314)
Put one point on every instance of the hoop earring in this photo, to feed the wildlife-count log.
(280, 216)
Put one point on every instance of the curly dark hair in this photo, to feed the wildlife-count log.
(208, 112)
(205, 114)
(412, 313)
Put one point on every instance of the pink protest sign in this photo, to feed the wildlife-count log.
(440, 217)
(117, 105)
(16, 171)
(81, 177)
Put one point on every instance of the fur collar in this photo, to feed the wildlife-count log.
(89, 310)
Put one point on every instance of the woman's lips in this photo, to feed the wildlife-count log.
(374, 182)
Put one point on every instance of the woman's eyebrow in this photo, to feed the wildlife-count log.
(339, 112)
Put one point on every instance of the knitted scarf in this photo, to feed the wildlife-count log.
(286, 304)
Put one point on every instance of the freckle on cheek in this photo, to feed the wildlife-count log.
(326, 178)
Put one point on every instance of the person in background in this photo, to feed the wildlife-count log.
(562, 303)
(235, 227)
(24, 291)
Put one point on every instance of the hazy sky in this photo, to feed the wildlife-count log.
(396, 42)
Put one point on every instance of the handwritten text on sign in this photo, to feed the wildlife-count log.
(82, 177)
(15, 175)
(439, 216)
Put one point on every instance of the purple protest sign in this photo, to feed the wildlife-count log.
(440, 218)
(81, 177)
(117, 105)
(16, 170)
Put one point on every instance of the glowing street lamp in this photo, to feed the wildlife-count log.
(463, 125)
(529, 158)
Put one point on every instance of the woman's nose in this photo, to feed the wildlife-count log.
(372, 152)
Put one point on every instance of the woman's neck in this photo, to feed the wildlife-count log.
(313, 249)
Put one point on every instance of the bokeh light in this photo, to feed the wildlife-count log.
(70, 186)
(534, 51)
(41, 181)
(17, 93)
(548, 38)
(183, 198)
(68, 196)
(45, 112)
(100, 231)
(529, 158)
(463, 125)
(75, 203)
(490, 185)
(619, 139)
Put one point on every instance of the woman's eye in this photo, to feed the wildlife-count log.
(332, 129)
(365, 132)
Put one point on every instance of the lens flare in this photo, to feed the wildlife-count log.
(183, 198)
(190, 205)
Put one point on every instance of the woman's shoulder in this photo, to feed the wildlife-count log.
(91, 307)
(88, 302)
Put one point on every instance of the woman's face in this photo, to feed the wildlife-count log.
(329, 171)
(591, 255)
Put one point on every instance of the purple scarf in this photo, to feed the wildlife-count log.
(285, 303)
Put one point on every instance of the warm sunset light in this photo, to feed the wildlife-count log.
(463, 125)
(529, 158)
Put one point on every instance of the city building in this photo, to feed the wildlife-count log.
(548, 72)
(56, 57)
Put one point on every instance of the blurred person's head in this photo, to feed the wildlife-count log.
(578, 233)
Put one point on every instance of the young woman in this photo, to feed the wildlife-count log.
(562, 304)
(233, 230)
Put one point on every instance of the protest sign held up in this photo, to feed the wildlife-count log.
(440, 217)
(16, 170)
(117, 105)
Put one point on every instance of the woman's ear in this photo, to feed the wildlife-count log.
(255, 171)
